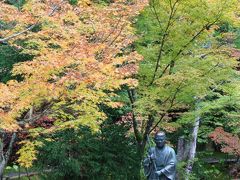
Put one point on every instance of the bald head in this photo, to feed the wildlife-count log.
(160, 139)
(160, 133)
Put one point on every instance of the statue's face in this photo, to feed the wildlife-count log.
(160, 141)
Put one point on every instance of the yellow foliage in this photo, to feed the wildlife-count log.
(27, 154)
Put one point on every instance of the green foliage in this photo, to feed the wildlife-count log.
(237, 40)
(225, 116)
(73, 2)
(203, 170)
(17, 3)
(8, 57)
(104, 2)
(181, 170)
(187, 70)
(183, 58)
(81, 154)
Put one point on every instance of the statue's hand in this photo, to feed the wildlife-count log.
(158, 173)
(152, 157)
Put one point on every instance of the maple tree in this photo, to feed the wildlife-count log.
(230, 143)
(81, 55)
(184, 63)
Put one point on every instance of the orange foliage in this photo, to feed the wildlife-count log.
(80, 52)
(230, 143)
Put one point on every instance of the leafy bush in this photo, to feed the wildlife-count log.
(82, 154)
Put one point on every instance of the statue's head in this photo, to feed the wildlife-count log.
(160, 139)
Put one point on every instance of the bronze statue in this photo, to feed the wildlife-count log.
(160, 163)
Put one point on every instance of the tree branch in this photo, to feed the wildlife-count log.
(131, 95)
(119, 33)
(171, 105)
(147, 129)
(113, 30)
(17, 34)
(4, 40)
(165, 34)
(171, 64)
(154, 11)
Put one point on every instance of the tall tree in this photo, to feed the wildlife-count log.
(183, 61)
(81, 54)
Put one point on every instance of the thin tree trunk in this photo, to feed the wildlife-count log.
(5, 157)
(30, 113)
(193, 142)
(193, 145)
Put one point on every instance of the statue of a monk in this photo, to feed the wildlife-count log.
(160, 163)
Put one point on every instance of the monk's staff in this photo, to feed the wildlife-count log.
(149, 147)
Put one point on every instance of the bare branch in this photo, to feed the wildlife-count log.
(4, 40)
(17, 34)
(113, 30)
(119, 33)
(56, 8)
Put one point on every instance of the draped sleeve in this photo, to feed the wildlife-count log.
(170, 164)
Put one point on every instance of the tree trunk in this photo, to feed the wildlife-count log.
(5, 157)
(2, 167)
(180, 149)
(193, 142)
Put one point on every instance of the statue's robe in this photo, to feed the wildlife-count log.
(165, 160)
